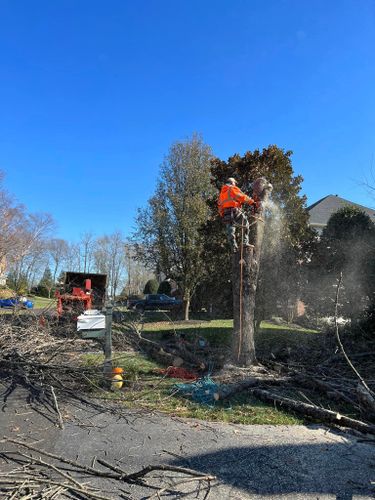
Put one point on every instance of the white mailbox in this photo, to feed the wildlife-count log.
(91, 320)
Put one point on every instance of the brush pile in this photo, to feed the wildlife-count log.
(38, 354)
(40, 474)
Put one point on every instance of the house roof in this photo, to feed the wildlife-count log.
(322, 210)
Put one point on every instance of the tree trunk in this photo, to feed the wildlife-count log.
(245, 270)
(186, 307)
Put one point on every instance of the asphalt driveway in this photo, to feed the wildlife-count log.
(250, 462)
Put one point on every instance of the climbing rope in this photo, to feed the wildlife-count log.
(241, 288)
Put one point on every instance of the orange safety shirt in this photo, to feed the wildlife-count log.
(232, 197)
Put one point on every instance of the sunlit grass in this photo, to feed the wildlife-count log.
(42, 302)
(146, 388)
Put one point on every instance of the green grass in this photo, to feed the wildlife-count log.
(146, 388)
(39, 303)
(219, 333)
(42, 302)
(266, 325)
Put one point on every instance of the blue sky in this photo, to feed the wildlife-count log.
(93, 93)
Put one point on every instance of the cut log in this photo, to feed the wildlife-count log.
(313, 411)
(232, 389)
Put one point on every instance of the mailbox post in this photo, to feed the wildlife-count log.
(108, 342)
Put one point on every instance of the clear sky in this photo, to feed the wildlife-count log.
(92, 94)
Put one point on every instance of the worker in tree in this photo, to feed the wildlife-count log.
(230, 201)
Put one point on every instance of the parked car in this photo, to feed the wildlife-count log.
(157, 301)
(17, 302)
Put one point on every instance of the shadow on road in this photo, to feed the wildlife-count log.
(311, 469)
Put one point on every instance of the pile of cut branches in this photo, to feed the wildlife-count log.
(55, 476)
(43, 357)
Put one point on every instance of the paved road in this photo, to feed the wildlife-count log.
(251, 462)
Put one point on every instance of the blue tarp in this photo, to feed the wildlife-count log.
(14, 302)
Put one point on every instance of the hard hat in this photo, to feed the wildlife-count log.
(231, 180)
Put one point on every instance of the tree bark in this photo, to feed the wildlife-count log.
(309, 410)
(186, 307)
(245, 270)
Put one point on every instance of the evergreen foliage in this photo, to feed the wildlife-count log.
(46, 284)
(151, 287)
(165, 287)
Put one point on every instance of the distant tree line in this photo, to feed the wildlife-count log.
(33, 260)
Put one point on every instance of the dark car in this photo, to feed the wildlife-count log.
(157, 301)
(16, 302)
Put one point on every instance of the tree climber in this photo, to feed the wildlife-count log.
(230, 201)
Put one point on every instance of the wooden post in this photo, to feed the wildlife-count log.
(108, 343)
(245, 270)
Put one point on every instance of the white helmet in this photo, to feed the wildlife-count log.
(231, 180)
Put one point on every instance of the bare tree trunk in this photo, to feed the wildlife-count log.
(187, 296)
(186, 307)
(245, 270)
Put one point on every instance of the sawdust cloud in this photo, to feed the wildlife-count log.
(274, 221)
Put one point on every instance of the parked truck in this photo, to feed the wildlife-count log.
(158, 301)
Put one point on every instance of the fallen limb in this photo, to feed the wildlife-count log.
(231, 389)
(85, 468)
(309, 410)
(61, 422)
(169, 468)
(114, 472)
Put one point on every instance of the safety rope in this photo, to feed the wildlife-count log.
(241, 293)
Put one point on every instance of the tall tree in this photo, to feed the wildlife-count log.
(109, 259)
(22, 236)
(73, 258)
(286, 227)
(136, 272)
(58, 251)
(46, 283)
(87, 249)
(168, 231)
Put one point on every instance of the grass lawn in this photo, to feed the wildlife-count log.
(218, 333)
(42, 302)
(39, 303)
(146, 388)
